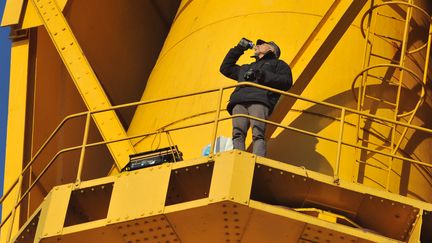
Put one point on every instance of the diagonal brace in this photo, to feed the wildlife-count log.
(85, 79)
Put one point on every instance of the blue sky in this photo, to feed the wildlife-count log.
(4, 90)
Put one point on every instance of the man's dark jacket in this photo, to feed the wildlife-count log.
(276, 74)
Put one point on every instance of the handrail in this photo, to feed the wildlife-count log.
(413, 74)
(217, 119)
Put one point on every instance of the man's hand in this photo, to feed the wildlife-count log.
(254, 75)
(245, 44)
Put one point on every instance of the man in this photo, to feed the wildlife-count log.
(267, 70)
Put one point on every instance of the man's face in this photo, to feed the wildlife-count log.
(261, 50)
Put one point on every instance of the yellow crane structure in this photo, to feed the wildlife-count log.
(93, 83)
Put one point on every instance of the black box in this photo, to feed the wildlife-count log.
(152, 158)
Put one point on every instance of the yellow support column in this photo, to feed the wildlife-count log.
(85, 79)
(15, 130)
(12, 12)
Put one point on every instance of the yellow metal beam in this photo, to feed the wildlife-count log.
(144, 198)
(85, 79)
(53, 213)
(12, 12)
(16, 124)
(232, 181)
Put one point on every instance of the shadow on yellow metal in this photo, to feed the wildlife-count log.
(231, 197)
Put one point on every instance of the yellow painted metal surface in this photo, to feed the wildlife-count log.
(53, 216)
(233, 177)
(31, 18)
(218, 218)
(16, 120)
(326, 53)
(194, 24)
(323, 43)
(14, 9)
(85, 79)
(12, 12)
(135, 193)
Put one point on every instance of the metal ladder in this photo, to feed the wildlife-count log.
(391, 141)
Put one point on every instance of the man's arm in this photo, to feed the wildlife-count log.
(229, 68)
(281, 79)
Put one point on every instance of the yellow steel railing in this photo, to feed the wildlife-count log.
(339, 140)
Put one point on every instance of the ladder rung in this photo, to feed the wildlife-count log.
(369, 164)
(378, 121)
(376, 144)
(390, 17)
(380, 100)
(393, 61)
(382, 79)
(388, 37)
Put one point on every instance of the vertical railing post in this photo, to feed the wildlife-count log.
(339, 146)
(18, 198)
(216, 122)
(83, 148)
